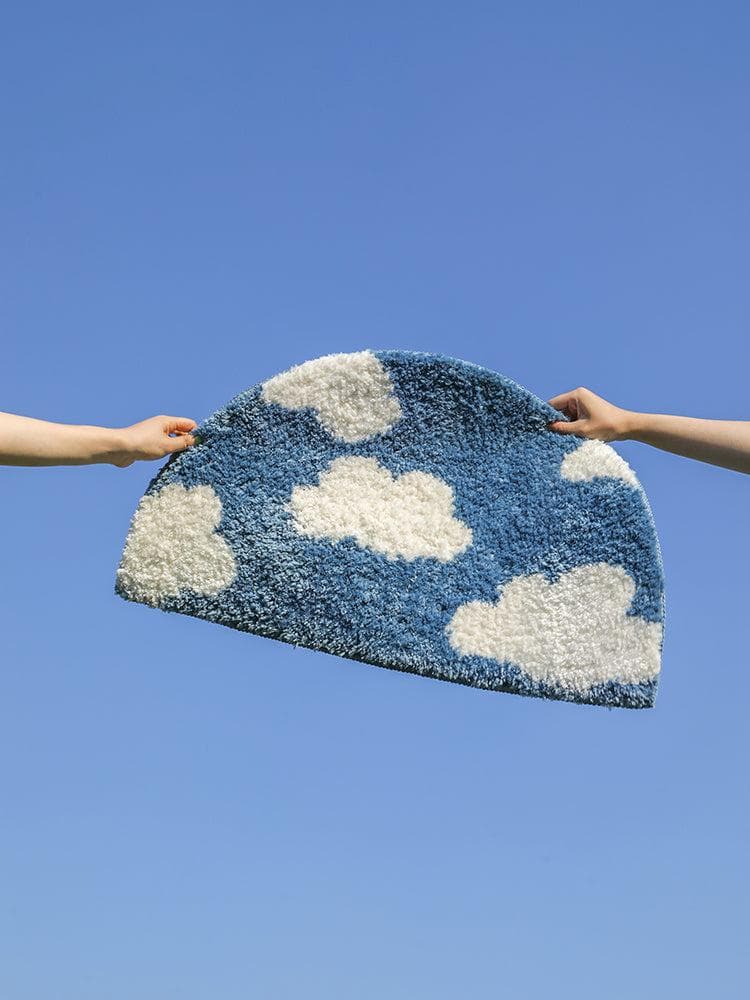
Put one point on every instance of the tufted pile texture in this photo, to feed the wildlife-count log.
(415, 512)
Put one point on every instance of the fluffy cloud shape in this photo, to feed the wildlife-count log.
(173, 546)
(593, 459)
(575, 632)
(351, 394)
(407, 516)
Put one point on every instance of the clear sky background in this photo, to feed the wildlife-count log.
(193, 197)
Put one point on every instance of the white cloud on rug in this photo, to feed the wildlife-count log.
(594, 459)
(351, 394)
(173, 546)
(408, 516)
(575, 632)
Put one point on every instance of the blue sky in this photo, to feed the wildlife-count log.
(195, 197)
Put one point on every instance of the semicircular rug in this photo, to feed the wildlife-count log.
(412, 511)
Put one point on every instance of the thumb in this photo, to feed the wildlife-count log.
(175, 425)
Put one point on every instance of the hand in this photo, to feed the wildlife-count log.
(153, 438)
(591, 416)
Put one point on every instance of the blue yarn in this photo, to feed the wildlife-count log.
(481, 433)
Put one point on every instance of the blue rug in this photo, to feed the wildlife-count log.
(415, 512)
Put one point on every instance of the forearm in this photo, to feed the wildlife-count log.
(28, 441)
(720, 442)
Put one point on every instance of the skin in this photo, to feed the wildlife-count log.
(719, 442)
(28, 441)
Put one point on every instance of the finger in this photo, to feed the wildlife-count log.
(175, 425)
(561, 401)
(571, 410)
(179, 443)
(567, 426)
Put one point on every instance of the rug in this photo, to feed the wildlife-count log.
(412, 511)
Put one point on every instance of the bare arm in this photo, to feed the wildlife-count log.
(719, 442)
(28, 441)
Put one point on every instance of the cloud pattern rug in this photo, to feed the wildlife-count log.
(412, 511)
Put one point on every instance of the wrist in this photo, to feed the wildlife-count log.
(112, 446)
(631, 425)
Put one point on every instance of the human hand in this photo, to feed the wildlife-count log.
(153, 438)
(591, 416)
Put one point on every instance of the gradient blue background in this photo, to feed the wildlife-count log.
(194, 197)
